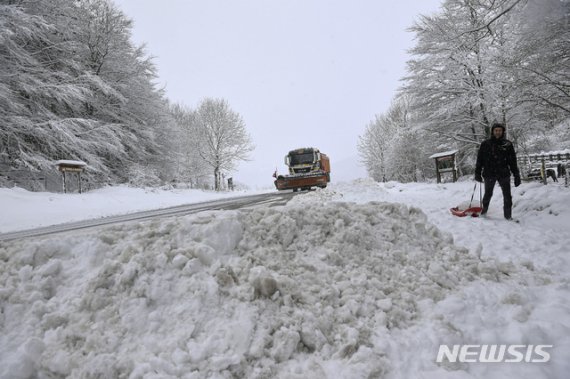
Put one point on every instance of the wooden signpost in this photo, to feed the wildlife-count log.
(65, 166)
(445, 162)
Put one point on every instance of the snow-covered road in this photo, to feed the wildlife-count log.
(231, 202)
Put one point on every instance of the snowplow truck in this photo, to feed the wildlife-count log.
(308, 168)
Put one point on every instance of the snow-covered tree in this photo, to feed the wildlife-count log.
(408, 159)
(539, 62)
(452, 81)
(72, 86)
(480, 61)
(130, 105)
(390, 149)
(223, 138)
(373, 147)
(191, 168)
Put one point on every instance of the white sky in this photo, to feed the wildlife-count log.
(301, 73)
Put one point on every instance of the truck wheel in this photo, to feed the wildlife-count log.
(295, 189)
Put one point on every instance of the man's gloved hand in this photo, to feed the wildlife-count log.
(517, 181)
(479, 178)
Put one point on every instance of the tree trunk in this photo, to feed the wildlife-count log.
(216, 178)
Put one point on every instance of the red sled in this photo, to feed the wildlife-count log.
(473, 212)
(470, 211)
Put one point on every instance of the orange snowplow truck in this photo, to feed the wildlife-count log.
(308, 167)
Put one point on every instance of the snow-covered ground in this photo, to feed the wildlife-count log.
(361, 280)
(22, 209)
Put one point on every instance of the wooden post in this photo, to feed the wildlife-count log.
(64, 186)
(437, 172)
(543, 171)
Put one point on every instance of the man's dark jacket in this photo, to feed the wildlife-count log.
(496, 159)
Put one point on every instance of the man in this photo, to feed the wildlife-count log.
(561, 170)
(497, 160)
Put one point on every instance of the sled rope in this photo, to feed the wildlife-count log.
(473, 194)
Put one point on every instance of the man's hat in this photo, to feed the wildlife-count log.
(498, 125)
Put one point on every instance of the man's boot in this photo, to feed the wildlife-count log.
(508, 213)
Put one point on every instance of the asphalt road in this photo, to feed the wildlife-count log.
(266, 199)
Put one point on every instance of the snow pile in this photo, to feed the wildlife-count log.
(344, 273)
(543, 203)
(297, 291)
(542, 213)
(531, 307)
(319, 288)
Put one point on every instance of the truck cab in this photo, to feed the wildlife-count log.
(308, 168)
(306, 160)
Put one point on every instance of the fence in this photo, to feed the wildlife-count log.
(31, 180)
(544, 165)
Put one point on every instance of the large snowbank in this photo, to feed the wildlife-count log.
(330, 286)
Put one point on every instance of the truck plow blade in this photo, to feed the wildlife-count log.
(301, 181)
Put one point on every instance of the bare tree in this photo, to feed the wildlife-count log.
(223, 138)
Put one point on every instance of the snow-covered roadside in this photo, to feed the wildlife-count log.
(541, 235)
(23, 209)
(535, 309)
(340, 283)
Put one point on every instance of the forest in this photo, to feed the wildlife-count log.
(474, 63)
(74, 86)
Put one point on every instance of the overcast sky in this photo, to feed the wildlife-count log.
(300, 72)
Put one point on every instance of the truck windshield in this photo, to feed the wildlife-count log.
(306, 158)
